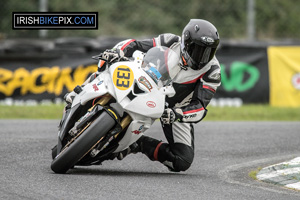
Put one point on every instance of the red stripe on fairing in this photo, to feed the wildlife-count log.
(125, 45)
(154, 44)
(193, 81)
(209, 88)
(193, 111)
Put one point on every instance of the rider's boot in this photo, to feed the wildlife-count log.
(144, 144)
(133, 148)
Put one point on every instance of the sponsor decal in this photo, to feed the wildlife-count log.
(296, 81)
(100, 83)
(154, 73)
(138, 131)
(95, 87)
(123, 77)
(190, 116)
(143, 80)
(207, 40)
(151, 104)
(215, 75)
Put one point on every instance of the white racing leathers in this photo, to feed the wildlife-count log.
(194, 90)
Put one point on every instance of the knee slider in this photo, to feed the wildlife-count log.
(180, 165)
(184, 156)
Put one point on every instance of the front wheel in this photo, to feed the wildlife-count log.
(71, 154)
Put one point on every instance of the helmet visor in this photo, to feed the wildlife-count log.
(201, 54)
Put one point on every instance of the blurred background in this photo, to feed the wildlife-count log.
(263, 20)
(45, 64)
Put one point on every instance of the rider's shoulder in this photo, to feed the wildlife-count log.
(213, 72)
(167, 39)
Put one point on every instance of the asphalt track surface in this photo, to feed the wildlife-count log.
(225, 153)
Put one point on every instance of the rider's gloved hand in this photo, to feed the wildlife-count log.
(171, 115)
(111, 55)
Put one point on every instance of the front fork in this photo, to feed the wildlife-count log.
(103, 101)
(120, 126)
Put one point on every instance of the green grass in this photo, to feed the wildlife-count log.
(253, 173)
(31, 112)
(244, 113)
(257, 112)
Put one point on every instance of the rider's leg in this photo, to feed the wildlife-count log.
(177, 155)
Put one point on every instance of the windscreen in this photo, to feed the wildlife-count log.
(161, 64)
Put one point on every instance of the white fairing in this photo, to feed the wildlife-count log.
(101, 85)
(135, 91)
(149, 104)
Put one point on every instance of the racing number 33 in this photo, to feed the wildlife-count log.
(123, 77)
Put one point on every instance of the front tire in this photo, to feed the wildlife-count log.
(54, 152)
(68, 157)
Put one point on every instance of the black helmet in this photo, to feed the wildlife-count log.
(199, 43)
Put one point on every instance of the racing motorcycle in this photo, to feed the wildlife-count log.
(114, 110)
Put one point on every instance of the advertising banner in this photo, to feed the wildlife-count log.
(284, 67)
(244, 72)
(42, 79)
(38, 72)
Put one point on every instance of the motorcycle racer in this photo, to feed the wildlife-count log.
(195, 85)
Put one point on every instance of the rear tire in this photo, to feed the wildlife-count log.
(72, 154)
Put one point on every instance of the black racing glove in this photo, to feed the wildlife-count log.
(110, 56)
(170, 115)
